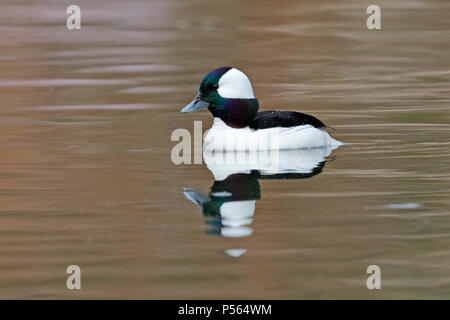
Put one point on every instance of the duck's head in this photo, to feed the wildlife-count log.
(228, 94)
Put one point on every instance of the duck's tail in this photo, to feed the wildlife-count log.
(333, 141)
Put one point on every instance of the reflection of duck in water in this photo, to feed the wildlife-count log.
(231, 204)
(231, 201)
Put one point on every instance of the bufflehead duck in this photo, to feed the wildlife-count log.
(228, 94)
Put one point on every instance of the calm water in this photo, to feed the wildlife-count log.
(86, 176)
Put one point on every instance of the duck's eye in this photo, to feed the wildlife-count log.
(215, 86)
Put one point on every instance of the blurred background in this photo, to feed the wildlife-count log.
(86, 176)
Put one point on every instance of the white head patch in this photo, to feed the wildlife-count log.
(235, 84)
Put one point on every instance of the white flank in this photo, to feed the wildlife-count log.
(222, 137)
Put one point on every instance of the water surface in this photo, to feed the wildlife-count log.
(86, 176)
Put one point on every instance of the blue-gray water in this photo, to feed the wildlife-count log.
(86, 176)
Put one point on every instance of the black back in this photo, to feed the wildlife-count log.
(272, 119)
